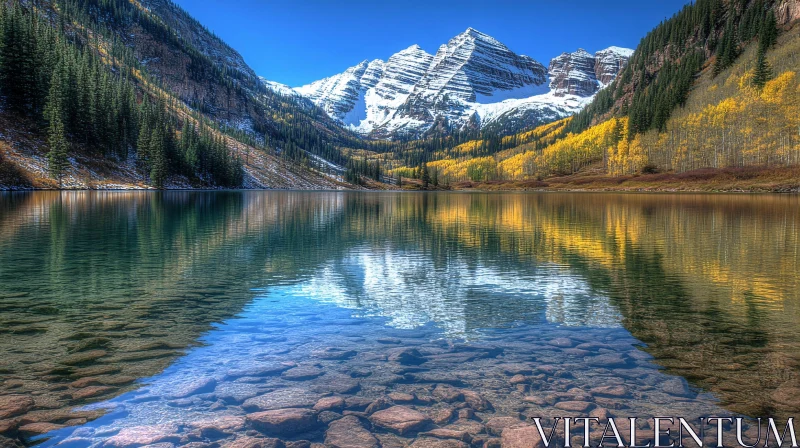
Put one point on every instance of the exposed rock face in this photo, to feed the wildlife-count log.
(788, 11)
(473, 64)
(583, 74)
(473, 81)
(573, 74)
(172, 64)
(609, 63)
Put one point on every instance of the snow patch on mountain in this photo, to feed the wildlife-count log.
(281, 89)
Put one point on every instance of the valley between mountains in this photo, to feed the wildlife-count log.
(121, 94)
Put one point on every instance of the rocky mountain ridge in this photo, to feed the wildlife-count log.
(473, 81)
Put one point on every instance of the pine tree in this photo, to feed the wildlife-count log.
(143, 145)
(57, 162)
(728, 50)
(769, 32)
(57, 95)
(426, 177)
(158, 170)
(763, 71)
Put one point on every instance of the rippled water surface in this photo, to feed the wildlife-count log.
(128, 319)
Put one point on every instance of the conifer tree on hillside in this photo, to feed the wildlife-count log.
(763, 71)
(57, 161)
(425, 176)
(728, 49)
(158, 152)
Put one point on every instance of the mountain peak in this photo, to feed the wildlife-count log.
(475, 34)
(414, 49)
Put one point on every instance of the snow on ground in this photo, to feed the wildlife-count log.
(569, 105)
(519, 93)
(627, 52)
(357, 117)
(281, 89)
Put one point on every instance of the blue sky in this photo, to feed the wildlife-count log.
(299, 41)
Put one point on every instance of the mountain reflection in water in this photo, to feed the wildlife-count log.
(117, 285)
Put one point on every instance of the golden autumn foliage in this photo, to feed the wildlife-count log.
(729, 122)
(475, 169)
(568, 155)
(626, 157)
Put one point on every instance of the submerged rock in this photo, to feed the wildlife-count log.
(334, 354)
(286, 422)
(609, 391)
(378, 405)
(255, 442)
(302, 373)
(606, 360)
(143, 435)
(261, 370)
(447, 393)
(521, 436)
(13, 405)
(83, 357)
(787, 394)
(496, 425)
(400, 397)
(574, 406)
(91, 392)
(194, 387)
(677, 387)
(406, 356)
(444, 433)
(35, 429)
(348, 432)
(329, 403)
(219, 426)
(476, 401)
(282, 398)
(401, 420)
(427, 442)
(562, 342)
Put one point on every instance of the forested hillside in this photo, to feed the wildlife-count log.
(105, 89)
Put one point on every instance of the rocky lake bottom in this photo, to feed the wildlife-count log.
(293, 372)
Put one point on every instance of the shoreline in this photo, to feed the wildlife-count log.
(777, 180)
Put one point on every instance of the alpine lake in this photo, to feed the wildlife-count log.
(441, 320)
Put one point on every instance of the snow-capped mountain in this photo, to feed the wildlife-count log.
(472, 81)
